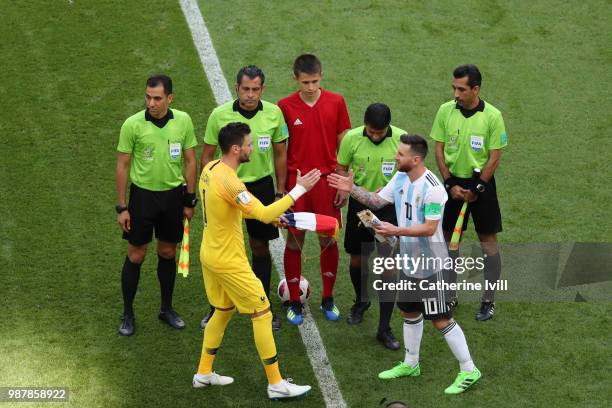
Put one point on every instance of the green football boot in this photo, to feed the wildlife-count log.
(464, 380)
(400, 370)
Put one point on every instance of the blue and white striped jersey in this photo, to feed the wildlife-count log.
(415, 202)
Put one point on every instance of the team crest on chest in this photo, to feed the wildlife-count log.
(147, 153)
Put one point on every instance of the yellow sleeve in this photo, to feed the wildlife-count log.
(235, 193)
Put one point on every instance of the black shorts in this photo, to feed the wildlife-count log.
(485, 211)
(159, 210)
(263, 189)
(433, 303)
(357, 239)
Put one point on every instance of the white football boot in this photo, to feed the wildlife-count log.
(200, 380)
(286, 389)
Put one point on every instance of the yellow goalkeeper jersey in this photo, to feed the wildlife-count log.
(225, 202)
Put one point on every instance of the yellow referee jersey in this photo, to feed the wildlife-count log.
(226, 201)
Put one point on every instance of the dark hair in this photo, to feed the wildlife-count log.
(252, 72)
(307, 64)
(160, 79)
(417, 144)
(232, 134)
(393, 404)
(471, 71)
(377, 116)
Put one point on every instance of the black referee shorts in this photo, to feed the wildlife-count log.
(485, 211)
(263, 189)
(357, 239)
(159, 210)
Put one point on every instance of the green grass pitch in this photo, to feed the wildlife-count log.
(72, 71)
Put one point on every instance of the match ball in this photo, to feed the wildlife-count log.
(283, 290)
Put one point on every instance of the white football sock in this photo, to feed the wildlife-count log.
(456, 342)
(413, 332)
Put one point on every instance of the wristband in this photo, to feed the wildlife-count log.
(190, 200)
(450, 182)
(297, 192)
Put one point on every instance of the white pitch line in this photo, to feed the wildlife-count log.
(308, 330)
(206, 51)
(312, 340)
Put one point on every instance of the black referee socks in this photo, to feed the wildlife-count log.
(359, 279)
(492, 272)
(130, 276)
(262, 267)
(166, 274)
(386, 300)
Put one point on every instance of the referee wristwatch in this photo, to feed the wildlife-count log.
(120, 208)
(280, 194)
(478, 186)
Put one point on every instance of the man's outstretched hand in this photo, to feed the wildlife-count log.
(341, 183)
(309, 180)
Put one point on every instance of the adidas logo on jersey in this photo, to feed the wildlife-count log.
(297, 122)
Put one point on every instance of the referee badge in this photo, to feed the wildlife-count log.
(477, 143)
(263, 141)
(387, 168)
(175, 150)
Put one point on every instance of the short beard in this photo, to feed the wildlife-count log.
(404, 169)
